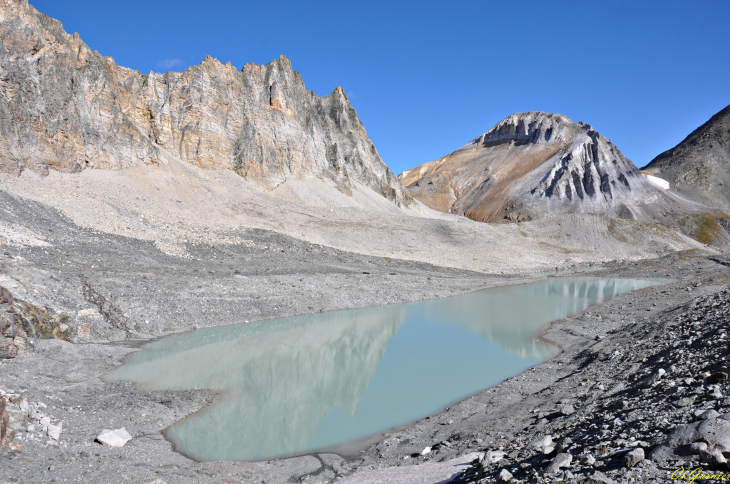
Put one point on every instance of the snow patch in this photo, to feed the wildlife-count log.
(658, 182)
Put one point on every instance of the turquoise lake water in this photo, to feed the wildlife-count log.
(305, 383)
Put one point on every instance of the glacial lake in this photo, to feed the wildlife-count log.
(305, 383)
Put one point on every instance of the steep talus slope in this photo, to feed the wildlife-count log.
(537, 164)
(64, 106)
(700, 165)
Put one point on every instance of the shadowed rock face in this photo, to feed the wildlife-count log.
(64, 106)
(700, 165)
(538, 164)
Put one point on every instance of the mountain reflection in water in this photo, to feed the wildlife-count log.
(309, 382)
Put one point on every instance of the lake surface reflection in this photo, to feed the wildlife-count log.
(310, 382)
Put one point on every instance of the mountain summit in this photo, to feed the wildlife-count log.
(538, 164)
(64, 106)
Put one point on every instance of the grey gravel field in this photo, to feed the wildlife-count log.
(107, 294)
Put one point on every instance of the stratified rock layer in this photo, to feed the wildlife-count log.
(538, 164)
(700, 165)
(64, 106)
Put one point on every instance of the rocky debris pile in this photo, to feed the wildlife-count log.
(20, 320)
(21, 419)
(517, 216)
(44, 323)
(11, 327)
(658, 401)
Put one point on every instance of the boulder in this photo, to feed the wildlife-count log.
(599, 478)
(587, 460)
(567, 409)
(492, 456)
(697, 447)
(634, 457)
(505, 475)
(542, 444)
(54, 431)
(115, 438)
(560, 460)
(685, 401)
(710, 414)
(715, 432)
(713, 457)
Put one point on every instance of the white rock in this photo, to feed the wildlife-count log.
(45, 422)
(119, 437)
(493, 456)
(542, 444)
(35, 415)
(505, 475)
(425, 451)
(587, 460)
(54, 431)
(88, 312)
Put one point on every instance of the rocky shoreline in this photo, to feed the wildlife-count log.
(620, 385)
(111, 288)
(662, 407)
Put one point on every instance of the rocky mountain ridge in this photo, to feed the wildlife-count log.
(64, 106)
(539, 164)
(700, 165)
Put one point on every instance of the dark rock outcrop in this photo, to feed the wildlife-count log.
(64, 106)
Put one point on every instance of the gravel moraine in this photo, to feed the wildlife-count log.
(101, 295)
(666, 406)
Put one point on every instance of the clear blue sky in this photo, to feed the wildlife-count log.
(427, 77)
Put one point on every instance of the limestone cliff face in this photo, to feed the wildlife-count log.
(64, 106)
(700, 165)
(537, 164)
